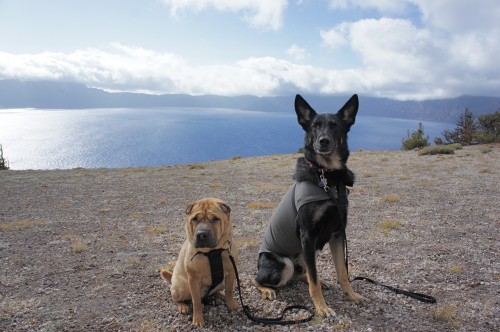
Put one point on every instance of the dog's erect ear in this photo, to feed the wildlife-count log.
(190, 208)
(305, 113)
(225, 208)
(349, 110)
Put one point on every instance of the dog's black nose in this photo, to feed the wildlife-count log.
(324, 141)
(202, 235)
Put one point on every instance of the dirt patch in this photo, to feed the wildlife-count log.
(81, 249)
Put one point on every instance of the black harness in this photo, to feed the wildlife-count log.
(216, 270)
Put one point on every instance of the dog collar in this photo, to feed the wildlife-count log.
(315, 167)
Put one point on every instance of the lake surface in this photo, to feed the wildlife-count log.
(90, 138)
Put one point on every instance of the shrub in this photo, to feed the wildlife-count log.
(3, 162)
(489, 128)
(440, 149)
(416, 139)
(438, 141)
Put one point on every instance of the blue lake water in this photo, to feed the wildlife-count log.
(90, 138)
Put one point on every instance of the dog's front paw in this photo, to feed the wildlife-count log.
(231, 304)
(325, 311)
(198, 320)
(356, 298)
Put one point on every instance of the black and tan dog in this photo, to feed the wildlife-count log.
(314, 210)
(208, 229)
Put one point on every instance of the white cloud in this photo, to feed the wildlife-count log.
(457, 16)
(297, 53)
(335, 38)
(383, 6)
(259, 13)
(453, 51)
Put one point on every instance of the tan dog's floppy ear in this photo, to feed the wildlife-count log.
(190, 208)
(225, 208)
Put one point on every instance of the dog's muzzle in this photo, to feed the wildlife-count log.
(323, 145)
(205, 238)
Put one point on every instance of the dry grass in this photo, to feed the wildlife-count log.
(78, 245)
(19, 225)
(196, 166)
(271, 187)
(388, 225)
(426, 183)
(156, 230)
(262, 205)
(369, 175)
(12, 308)
(391, 198)
(446, 314)
(486, 149)
(455, 269)
(246, 243)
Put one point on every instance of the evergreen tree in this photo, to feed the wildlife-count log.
(416, 139)
(466, 131)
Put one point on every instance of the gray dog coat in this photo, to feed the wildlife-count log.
(281, 235)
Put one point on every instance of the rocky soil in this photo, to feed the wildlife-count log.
(80, 249)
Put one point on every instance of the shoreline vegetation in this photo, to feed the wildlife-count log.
(80, 249)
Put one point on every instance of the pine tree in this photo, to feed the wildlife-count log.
(466, 131)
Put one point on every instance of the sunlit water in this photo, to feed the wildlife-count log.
(49, 139)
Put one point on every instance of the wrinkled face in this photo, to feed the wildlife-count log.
(208, 223)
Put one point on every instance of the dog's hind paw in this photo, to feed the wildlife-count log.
(267, 293)
(167, 275)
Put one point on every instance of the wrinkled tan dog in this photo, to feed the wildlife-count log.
(208, 227)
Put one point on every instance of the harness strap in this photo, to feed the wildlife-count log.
(216, 270)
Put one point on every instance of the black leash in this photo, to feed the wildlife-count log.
(270, 321)
(417, 296)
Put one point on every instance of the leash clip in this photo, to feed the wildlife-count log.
(323, 180)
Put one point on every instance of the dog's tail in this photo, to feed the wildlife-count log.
(167, 275)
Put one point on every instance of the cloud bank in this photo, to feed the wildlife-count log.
(452, 50)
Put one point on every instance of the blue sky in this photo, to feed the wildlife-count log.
(402, 49)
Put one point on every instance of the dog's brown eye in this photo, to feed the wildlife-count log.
(215, 220)
(333, 124)
(195, 219)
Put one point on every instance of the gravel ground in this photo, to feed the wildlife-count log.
(80, 249)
